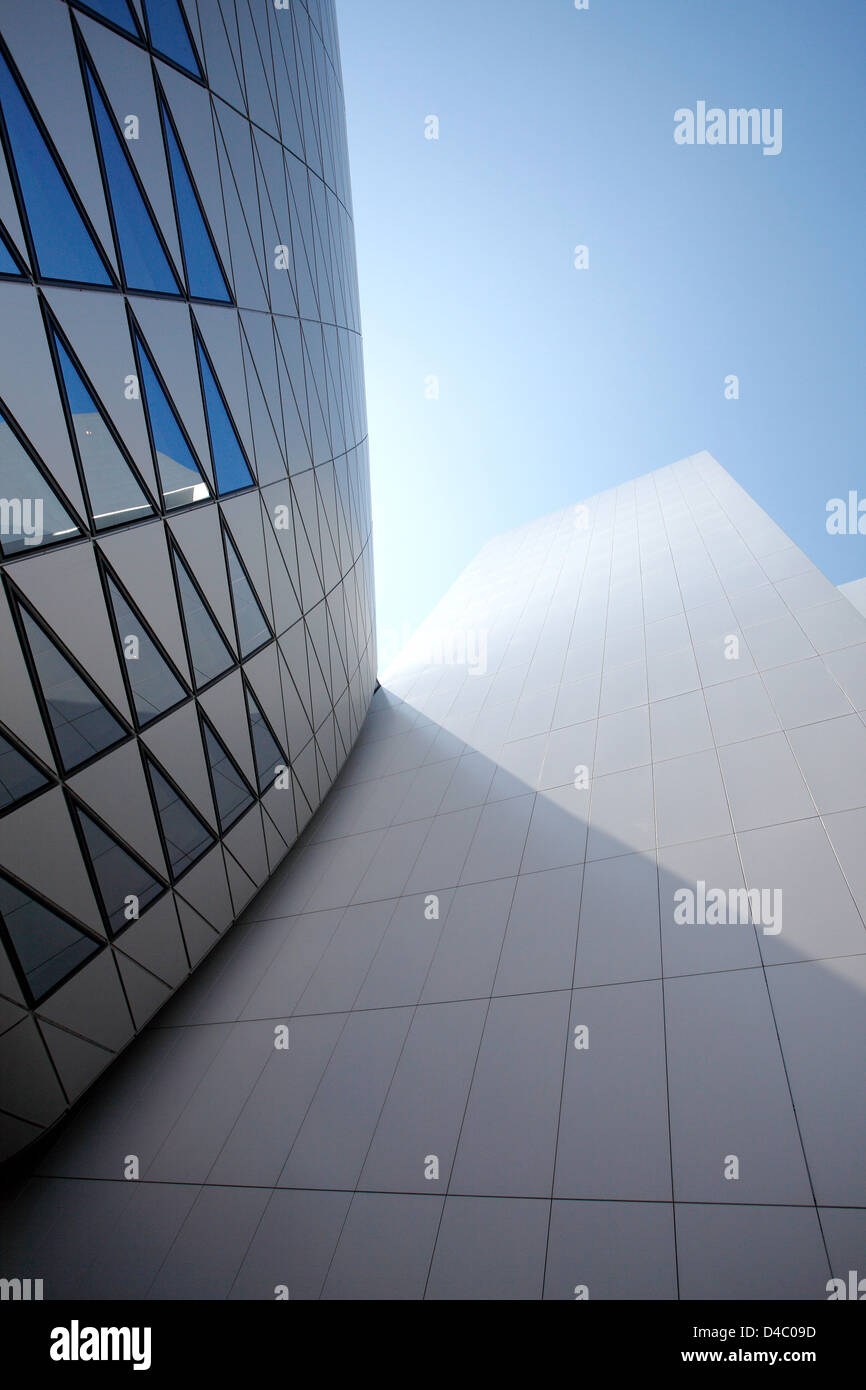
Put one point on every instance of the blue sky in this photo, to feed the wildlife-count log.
(556, 129)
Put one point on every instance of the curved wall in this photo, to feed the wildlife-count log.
(186, 609)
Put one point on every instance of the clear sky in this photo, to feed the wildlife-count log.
(557, 130)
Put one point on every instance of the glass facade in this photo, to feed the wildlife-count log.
(173, 497)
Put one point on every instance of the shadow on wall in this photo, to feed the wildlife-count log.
(470, 966)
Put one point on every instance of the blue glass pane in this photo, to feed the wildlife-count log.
(230, 790)
(48, 948)
(144, 262)
(229, 463)
(7, 264)
(252, 628)
(115, 496)
(186, 837)
(18, 776)
(65, 249)
(118, 875)
(269, 759)
(179, 475)
(208, 651)
(154, 686)
(206, 280)
(118, 10)
(82, 725)
(30, 513)
(168, 34)
(80, 400)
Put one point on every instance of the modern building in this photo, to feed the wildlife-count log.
(560, 992)
(186, 611)
(855, 592)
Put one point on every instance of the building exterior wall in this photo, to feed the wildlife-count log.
(855, 592)
(473, 956)
(186, 607)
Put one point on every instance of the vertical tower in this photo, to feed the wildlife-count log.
(186, 609)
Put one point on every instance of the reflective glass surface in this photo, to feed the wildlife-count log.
(252, 628)
(231, 792)
(230, 466)
(187, 839)
(119, 876)
(115, 496)
(82, 725)
(265, 747)
(65, 249)
(206, 280)
(48, 948)
(168, 34)
(155, 688)
(209, 653)
(30, 514)
(145, 264)
(179, 475)
(18, 776)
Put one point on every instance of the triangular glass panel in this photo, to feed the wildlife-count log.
(230, 465)
(64, 245)
(117, 11)
(208, 650)
(114, 493)
(119, 875)
(18, 775)
(81, 722)
(266, 751)
(187, 838)
(203, 271)
(179, 474)
(30, 513)
(145, 262)
(252, 628)
(231, 793)
(154, 687)
(8, 263)
(169, 34)
(47, 947)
